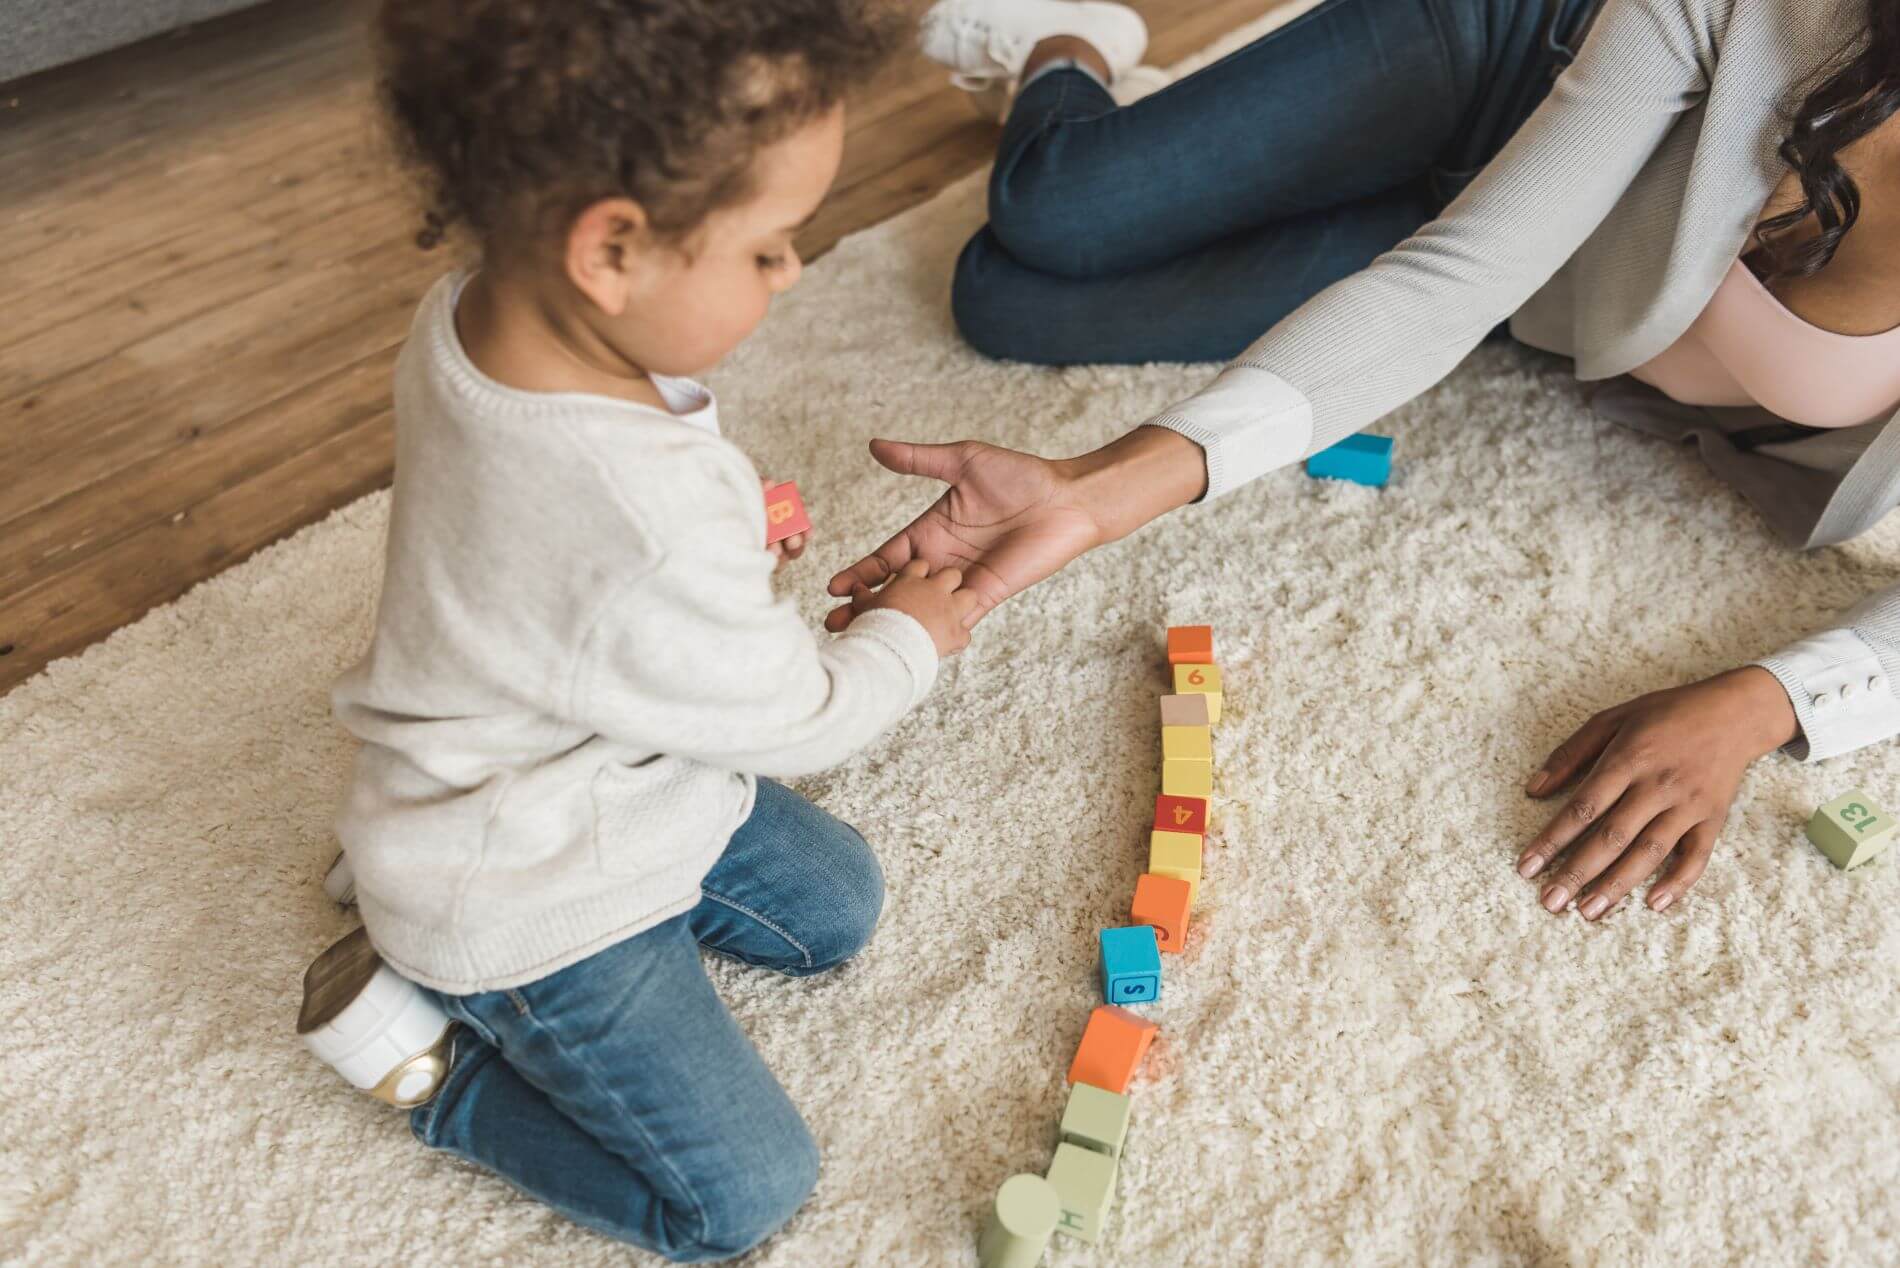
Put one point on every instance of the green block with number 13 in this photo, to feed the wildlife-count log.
(1852, 830)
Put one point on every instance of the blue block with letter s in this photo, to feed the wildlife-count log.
(1131, 965)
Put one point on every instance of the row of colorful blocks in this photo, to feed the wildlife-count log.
(1078, 1190)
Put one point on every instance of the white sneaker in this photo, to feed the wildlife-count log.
(987, 41)
(373, 1026)
(340, 881)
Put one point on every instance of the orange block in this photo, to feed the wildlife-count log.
(1163, 901)
(1191, 645)
(1112, 1047)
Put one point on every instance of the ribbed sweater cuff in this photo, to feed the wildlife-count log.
(1249, 421)
(909, 641)
(1842, 694)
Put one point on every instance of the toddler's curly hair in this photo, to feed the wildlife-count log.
(519, 114)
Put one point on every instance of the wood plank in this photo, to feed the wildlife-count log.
(103, 515)
(79, 606)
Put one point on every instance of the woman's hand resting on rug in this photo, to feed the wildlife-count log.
(1010, 519)
(1663, 771)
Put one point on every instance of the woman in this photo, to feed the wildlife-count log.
(1703, 211)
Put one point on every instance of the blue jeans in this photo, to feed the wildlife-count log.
(1185, 226)
(620, 1091)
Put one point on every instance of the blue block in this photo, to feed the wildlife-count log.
(1131, 965)
(1362, 459)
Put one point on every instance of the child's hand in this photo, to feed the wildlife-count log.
(792, 547)
(1660, 773)
(934, 599)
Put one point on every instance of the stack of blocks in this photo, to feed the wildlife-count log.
(1076, 1194)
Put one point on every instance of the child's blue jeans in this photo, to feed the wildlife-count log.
(620, 1091)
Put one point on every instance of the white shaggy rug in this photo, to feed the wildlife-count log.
(1378, 1050)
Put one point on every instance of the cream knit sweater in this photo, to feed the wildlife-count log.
(578, 667)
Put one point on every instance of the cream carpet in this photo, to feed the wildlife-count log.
(1378, 1049)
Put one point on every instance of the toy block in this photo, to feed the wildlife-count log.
(1363, 459)
(1187, 761)
(1026, 1210)
(1187, 743)
(1200, 680)
(1187, 779)
(1163, 902)
(1113, 1044)
(784, 513)
(1085, 1188)
(1190, 645)
(1181, 814)
(1131, 965)
(1097, 1119)
(1177, 854)
(1184, 711)
(1852, 830)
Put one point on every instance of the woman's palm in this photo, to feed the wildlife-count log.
(1006, 520)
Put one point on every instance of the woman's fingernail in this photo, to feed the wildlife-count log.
(1594, 906)
(1536, 787)
(1660, 901)
(1555, 897)
(1529, 866)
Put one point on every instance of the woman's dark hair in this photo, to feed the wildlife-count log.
(521, 113)
(1860, 91)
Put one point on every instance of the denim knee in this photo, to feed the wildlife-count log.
(857, 882)
(1002, 311)
(764, 1188)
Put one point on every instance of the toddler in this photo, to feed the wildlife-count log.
(580, 672)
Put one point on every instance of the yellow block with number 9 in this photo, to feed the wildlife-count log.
(1199, 680)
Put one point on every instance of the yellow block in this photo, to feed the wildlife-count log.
(1187, 778)
(1177, 854)
(1199, 680)
(1187, 743)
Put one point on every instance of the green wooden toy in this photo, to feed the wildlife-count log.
(1025, 1212)
(1097, 1119)
(1085, 1185)
(1852, 829)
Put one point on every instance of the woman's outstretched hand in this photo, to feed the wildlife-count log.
(1007, 520)
(1663, 771)
(1010, 519)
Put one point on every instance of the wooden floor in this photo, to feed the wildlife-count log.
(208, 265)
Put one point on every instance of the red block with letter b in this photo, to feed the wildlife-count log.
(784, 513)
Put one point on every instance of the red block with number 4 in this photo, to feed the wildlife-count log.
(1181, 814)
(784, 513)
(1163, 902)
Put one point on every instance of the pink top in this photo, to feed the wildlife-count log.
(1747, 349)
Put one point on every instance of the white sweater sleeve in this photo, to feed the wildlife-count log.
(699, 658)
(1371, 342)
(1841, 680)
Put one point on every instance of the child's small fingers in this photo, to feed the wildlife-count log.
(915, 568)
(948, 580)
(794, 545)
